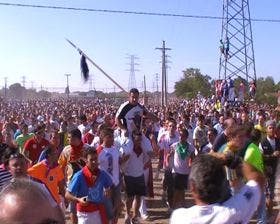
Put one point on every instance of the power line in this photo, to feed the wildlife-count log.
(129, 12)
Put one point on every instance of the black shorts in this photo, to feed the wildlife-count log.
(135, 186)
(180, 181)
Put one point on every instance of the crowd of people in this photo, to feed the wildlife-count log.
(93, 158)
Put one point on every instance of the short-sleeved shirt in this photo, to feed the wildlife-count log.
(182, 166)
(164, 144)
(50, 178)
(253, 156)
(130, 115)
(238, 209)
(200, 134)
(134, 166)
(79, 187)
(34, 148)
(108, 160)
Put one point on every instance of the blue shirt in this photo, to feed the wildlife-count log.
(79, 187)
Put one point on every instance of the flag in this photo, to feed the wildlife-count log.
(84, 68)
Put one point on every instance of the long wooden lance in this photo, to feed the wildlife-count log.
(94, 64)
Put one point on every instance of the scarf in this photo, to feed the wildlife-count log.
(182, 150)
(138, 150)
(90, 178)
(76, 152)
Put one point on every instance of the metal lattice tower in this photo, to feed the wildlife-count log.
(132, 79)
(237, 40)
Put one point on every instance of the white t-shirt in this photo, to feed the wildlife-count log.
(108, 160)
(238, 209)
(181, 166)
(83, 129)
(134, 166)
(200, 134)
(165, 143)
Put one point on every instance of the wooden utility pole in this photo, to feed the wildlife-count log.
(67, 85)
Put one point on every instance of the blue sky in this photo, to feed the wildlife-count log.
(33, 45)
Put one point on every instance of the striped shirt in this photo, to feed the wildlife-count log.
(5, 177)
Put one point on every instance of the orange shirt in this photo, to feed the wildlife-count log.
(50, 179)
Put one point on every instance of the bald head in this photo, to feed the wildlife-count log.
(23, 202)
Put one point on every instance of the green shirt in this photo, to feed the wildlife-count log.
(253, 156)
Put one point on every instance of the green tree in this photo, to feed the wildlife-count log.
(192, 82)
(266, 86)
(16, 91)
(44, 94)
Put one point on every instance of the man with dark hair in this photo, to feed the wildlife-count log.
(50, 174)
(71, 162)
(84, 126)
(138, 154)
(88, 188)
(130, 114)
(270, 147)
(200, 133)
(23, 201)
(23, 136)
(222, 138)
(209, 186)
(35, 145)
(211, 136)
(168, 138)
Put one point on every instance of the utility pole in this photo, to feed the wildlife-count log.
(5, 90)
(132, 79)
(145, 92)
(163, 72)
(157, 80)
(67, 90)
(90, 83)
(23, 80)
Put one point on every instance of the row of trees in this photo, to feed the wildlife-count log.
(193, 81)
(187, 87)
(18, 92)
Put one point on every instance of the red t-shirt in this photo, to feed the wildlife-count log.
(34, 148)
(88, 138)
(99, 149)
